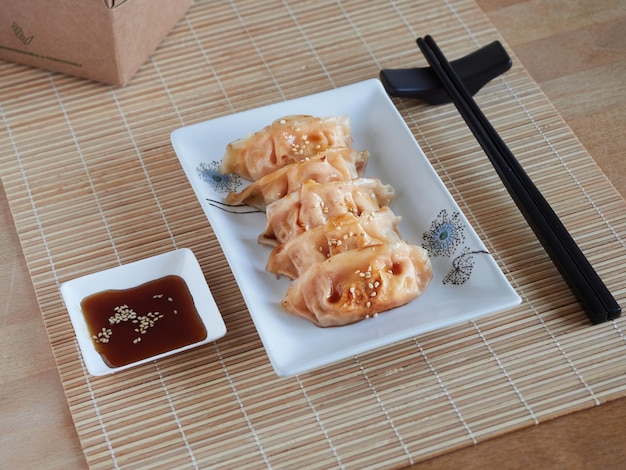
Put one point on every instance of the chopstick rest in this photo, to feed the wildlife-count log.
(475, 69)
(598, 303)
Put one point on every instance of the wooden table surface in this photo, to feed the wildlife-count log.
(576, 51)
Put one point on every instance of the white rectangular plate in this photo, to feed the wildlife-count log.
(467, 282)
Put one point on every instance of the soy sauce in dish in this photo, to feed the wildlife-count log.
(129, 325)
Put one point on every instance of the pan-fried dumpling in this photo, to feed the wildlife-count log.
(332, 164)
(341, 233)
(358, 284)
(287, 140)
(315, 203)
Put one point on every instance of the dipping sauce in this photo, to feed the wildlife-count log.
(129, 325)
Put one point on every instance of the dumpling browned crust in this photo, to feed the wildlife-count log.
(332, 164)
(287, 140)
(332, 231)
(315, 203)
(358, 284)
(341, 233)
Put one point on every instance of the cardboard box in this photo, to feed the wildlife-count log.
(103, 40)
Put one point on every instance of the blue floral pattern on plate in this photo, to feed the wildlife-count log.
(222, 183)
(445, 236)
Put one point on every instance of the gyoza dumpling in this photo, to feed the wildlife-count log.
(314, 203)
(287, 140)
(332, 164)
(341, 233)
(358, 284)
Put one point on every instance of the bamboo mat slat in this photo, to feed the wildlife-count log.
(93, 182)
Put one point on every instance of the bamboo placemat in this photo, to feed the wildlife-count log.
(93, 182)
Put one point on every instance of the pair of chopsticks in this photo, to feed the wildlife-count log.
(591, 292)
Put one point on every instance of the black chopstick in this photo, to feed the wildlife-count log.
(592, 293)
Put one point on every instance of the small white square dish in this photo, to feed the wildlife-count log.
(142, 311)
(467, 281)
